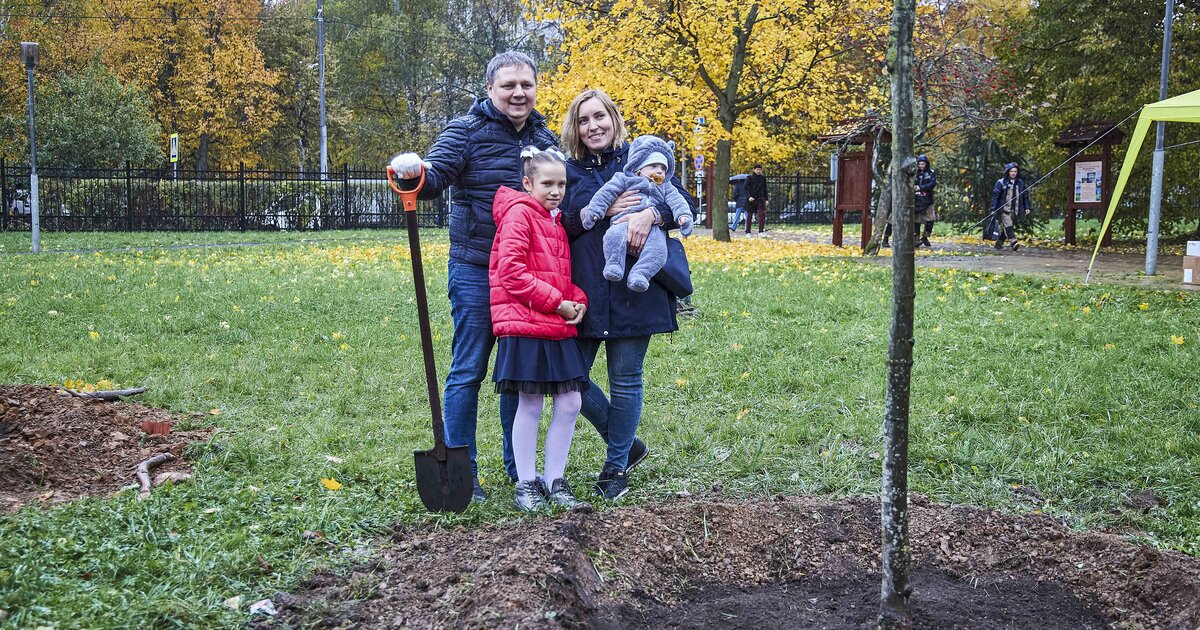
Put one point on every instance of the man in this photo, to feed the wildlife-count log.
(756, 196)
(474, 156)
(1010, 200)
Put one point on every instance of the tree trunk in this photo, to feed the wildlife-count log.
(202, 161)
(719, 202)
(894, 610)
(880, 173)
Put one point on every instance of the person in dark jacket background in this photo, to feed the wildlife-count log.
(1010, 201)
(924, 183)
(475, 155)
(923, 211)
(756, 196)
(594, 139)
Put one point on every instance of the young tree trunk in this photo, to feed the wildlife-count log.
(719, 204)
(894, 610)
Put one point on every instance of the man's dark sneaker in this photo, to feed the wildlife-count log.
(559, 493)
(529, 497)
(617, 486)
(637, 454)
(1016, 246)
(925, 241)
(999, 245)
(477, 493)
(885, 243)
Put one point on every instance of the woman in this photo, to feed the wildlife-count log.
(594, 139)
(923, 184)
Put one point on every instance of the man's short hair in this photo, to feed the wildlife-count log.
(758, 166)
(510, 58)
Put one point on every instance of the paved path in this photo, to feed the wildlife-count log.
(1062, 264)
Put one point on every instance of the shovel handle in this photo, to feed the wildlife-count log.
(409, 199)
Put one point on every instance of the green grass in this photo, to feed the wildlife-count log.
(311, 350)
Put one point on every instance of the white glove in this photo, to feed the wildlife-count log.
(407, 165)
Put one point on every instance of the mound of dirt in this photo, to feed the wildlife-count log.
(792, 562)
(55, 448)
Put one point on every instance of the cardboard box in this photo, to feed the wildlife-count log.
(1191, 270)
(1193, 248)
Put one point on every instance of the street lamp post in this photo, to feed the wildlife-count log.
(1156, 175)
(29, 57)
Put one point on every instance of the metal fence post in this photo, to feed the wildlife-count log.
(3, 195)
(242, 196)
(128, 196)
(346, 193)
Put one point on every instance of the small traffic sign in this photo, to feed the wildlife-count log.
(174, 148)
(699, 162)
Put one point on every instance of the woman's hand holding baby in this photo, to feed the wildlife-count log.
(627, 200)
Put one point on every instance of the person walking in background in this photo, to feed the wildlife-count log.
(1010, 202)
(740, 203)
(475, 155)
(756, 196)
(535, 310)
(924, 183)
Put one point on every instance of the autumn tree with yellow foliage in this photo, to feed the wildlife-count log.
(199, 63)
(768, 73)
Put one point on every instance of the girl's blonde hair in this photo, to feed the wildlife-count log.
(571, 140)
(532, 157)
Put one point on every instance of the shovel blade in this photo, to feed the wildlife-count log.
(445, 486)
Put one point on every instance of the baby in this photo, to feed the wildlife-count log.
(648, 170)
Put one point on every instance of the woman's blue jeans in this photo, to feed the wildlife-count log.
(737, 218)
(470, 353)
(616, 417)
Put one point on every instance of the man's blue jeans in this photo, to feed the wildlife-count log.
(616, 419)
(737, 218)
(470, 353)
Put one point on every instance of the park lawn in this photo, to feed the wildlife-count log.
(1028, 395)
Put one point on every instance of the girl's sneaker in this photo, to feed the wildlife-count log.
(613, 484)
(559, 493)
(529, 496)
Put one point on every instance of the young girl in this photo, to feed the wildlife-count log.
(535, 309)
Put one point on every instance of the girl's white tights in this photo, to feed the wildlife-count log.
(558, 436)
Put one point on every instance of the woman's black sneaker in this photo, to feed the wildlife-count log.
(559, 493)
(613, 484)
(529, 496)
(477, 493)
(637, 454)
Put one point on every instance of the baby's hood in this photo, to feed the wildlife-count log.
(642, 147)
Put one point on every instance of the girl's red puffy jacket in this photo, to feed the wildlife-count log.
(530, 270)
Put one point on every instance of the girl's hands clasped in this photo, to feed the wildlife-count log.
(572, 311)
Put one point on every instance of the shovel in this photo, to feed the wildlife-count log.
(444, 475)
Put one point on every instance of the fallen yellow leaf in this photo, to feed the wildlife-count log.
(331, 484)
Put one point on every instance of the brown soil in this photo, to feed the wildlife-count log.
(55, 449)
(796, 562)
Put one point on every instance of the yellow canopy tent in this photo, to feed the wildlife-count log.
(1182, 108)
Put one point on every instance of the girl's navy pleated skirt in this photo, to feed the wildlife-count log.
(539, 366)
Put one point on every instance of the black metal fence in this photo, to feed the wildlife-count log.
(135, 199)
(791, 199)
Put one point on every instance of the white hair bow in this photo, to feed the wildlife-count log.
(530, 151)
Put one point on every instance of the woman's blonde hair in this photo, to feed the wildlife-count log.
(571, 140)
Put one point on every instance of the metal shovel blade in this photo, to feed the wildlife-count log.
(445, 486)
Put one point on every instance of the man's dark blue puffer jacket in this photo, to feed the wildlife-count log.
(475, 155)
